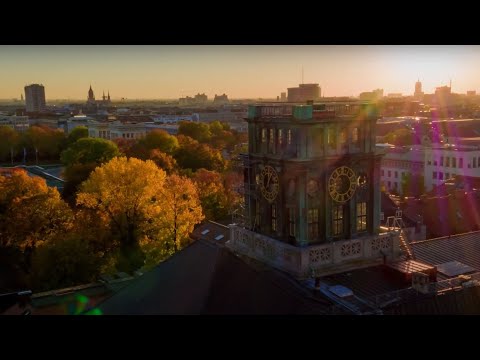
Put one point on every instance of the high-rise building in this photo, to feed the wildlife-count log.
(418, 95)
(283, 96)
(35, 97)
(304, 92)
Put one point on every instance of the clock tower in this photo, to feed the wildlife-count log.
(312, 192)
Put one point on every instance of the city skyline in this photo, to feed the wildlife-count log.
(257, 71)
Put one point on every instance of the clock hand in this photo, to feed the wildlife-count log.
(268, 181)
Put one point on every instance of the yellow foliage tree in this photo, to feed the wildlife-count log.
(178, 211)
(30, 211)
(149, 213)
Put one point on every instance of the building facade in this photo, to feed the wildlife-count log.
(304, 92)
(444, 162)
(397, 163)
(35, 98)
(18, 123)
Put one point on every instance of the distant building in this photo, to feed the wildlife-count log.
(199, 99)
(447, 161)
(220, 99)
(175, 119)
(18, 123)
(397, 164)
(35, 98)
(418, 94)
(471, 93)
(371, 95)
(304, 92)
(94, 105)
(283, 96)
(395, 95)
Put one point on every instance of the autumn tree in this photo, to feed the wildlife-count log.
(128, 193)
(196, 130)
(43, 142)
(30, 212)
(212, 194)
(161, 140)
(9, 142)
(164, 161)
(180, 213)
(63, 261)
(193, 155)
(81, 158)
(126, 146)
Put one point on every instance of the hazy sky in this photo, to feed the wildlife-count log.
(149, 72)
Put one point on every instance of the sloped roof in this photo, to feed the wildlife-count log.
(206, 278)
(464, 248)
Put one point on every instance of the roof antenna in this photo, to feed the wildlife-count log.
(302, 74)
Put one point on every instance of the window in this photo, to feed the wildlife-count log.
(355, 136)
(312, 220)
(435, 162)
(447, 175)
(291, 222)
(440, 176)
(479, 161)
(389, 173)
(441, 160)
(403, 175)
(429, 162)
(264, 135)
(257, 213)
(434, 175)
(274, 217)
(396, 174)
(447, 161)
(474, 162)
(361, 216)
(395, 185)
(317, 141)
(343, 139)
(460, 163)
(332, 144)
(271, 140)
(289, 136)
(454, 162)
(383, 172)
(389, 184)
(337, 216)
(280, 137)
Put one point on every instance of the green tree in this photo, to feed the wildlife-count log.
(400, 137)
(412, 185)
(161, 140)
(9, 142)
(195, 130)
(77, 133)
(90, 150)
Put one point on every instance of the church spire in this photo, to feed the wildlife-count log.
(108, 95)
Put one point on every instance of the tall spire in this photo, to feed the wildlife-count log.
(108, 95)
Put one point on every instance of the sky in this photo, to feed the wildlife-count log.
(256, 71)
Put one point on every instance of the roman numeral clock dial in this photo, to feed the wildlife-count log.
(269, 185)
(342, 184)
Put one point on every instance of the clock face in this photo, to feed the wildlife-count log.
(269, 183)
(342, 184)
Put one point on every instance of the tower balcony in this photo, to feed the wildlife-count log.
(315, 260)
